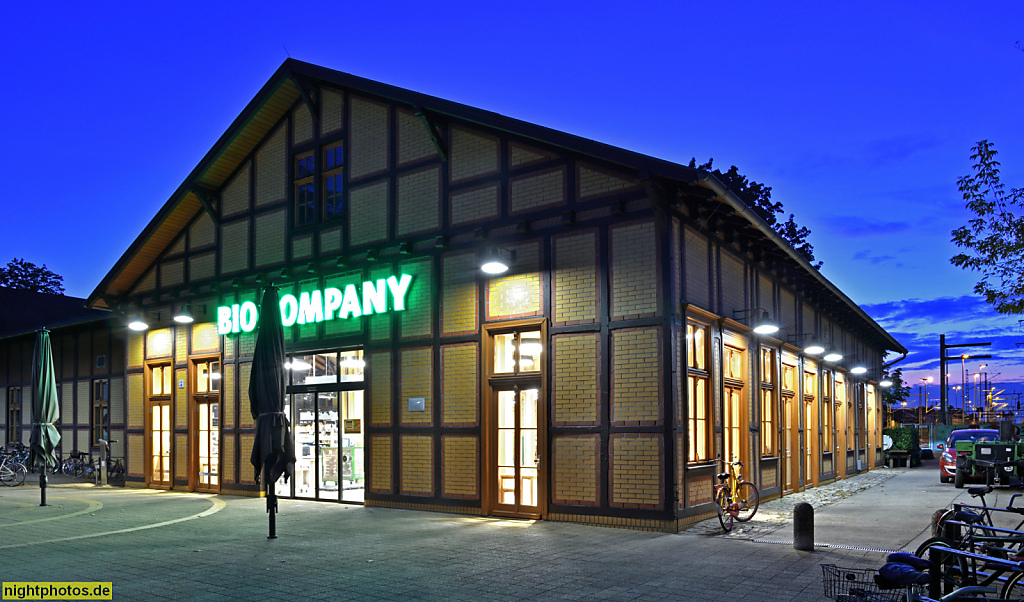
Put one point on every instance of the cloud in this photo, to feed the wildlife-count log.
(856, 226)
(898, 149)
(918, 323)
(874, 259)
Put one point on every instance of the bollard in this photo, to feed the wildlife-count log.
(803, 527)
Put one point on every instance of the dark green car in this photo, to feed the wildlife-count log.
(990, 458)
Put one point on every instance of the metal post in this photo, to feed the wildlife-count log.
(942, 377)
(271, 506)
(42, 485)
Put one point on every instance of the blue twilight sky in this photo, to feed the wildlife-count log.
(860, 116)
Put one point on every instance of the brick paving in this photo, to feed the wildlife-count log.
(164, 545)
(775, 516)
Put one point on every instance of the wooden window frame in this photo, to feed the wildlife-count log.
(99, 402)
(828, 422)
(305, 213)
(769, 409)
(158, 399)
(336, 171)
(697, 372)
(489, 383)
(14, 409)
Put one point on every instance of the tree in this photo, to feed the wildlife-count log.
(895, 395)
(994, 238)
(27, 276)
(759, 197)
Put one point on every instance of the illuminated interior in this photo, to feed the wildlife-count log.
(325, 405)
(518, 454)
(161, 442)
(207, 389)
(524, 346)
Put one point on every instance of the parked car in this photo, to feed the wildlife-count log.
(947, 461)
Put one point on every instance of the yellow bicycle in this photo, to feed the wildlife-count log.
(735, 498)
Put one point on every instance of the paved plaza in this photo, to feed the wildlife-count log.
(166, 545)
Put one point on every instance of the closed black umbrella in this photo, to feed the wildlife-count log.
(273, 453)
(45, 411)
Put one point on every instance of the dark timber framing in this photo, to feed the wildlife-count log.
(673, 198)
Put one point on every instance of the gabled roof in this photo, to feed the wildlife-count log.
(285, 88)
(22, 312)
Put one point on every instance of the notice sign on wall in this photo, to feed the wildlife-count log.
(376, 297)
(353, 426)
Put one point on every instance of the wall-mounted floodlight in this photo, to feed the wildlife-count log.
(812, 346)
(833, 356)
(137, 320)
(858, 369)
(184, 315)
(762, 323)
(137, 323)
(497, 260)
(885, 383)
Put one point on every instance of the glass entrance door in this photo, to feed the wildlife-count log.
(789, 433)
(518, 453)
(328, 466)
(160, 425)
(208, 446)
(160, 444)
(732, 431)
(206, 426)
(325, 406)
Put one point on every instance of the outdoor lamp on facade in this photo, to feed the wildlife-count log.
(885, 383)
(858, 369)
(813, 346)
(184, 315)
(136, 320)
(833, 356)
(497, 260)
(763, 323)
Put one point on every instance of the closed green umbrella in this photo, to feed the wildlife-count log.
(45, 411)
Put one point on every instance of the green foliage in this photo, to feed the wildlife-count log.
(898, 392)
(27, 276)
(904, 438)
(758, 197)
(994, 239)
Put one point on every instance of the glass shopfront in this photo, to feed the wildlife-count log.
(325, 405)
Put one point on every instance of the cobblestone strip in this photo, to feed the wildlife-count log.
(775, 514)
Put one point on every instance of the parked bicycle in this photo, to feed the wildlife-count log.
(984, 511)
(12, 473)
(115, 468)
(908, 578)
(735, 499)
(76, 464)
(970, 528)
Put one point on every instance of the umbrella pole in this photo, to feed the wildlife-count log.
(271, 506)
(42, 486)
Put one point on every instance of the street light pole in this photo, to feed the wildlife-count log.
(963, 378)
(944, 376)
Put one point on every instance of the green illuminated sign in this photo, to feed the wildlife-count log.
(375, 297)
